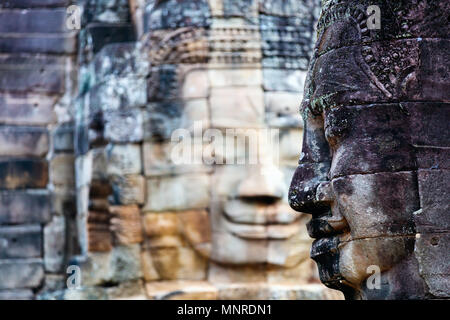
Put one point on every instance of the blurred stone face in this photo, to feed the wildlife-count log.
(368, 151)
(222, 134)
(251, 220)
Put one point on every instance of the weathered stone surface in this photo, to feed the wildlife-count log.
(126, 224)
(128, 189)
(99, 235)
(21, 273)
(109, 11)
(282, 109)
(434, 201)
(130, 290)
(27, 73)
(33, 21)
(172, 14)
(31, 43)
(20, 242)
(179, 190)
(431, 251)
(121, 264)
(119, 59)
(237, 77)
(361, 193)
(17, 174)
(124, 126)
(26, 109)
(195, 85)
(181, 290)
(62, 170)
(84, 167)
(262, 291)
(18, 207)
(427, 122)
(23, 141)
(376, 105)
(172, 229)
(55, 244)
(124, 159)
(237, 107)
(97, 35)
(390, 79)
(63, 138)
(33, 3)
(366, 140)
(16, 294)
(345, 23)
(179, 263)
(283, 80)
(163, 118)
(175, 157)
(117, 93)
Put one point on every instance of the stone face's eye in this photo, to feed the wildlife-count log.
(337, 124)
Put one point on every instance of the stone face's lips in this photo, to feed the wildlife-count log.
(259, 221)
(241, 212)
(263, 232)
(324, 246)
(325, 227)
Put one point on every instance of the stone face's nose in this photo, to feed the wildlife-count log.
(303, 195)
(263, 184)
(313, 167)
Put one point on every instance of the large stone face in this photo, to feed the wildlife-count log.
(373, 164)
(128, 120)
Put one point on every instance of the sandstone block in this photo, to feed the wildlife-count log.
(128, 189)
(181, 290)
(282, 109)
(23, 141)
(20, 207)
(236, 77)
(26, 73)
(237, 107)
(20, 294)
(62, 170)
(124, 159)
(179, 263)
(55, 43)
(26, 109)
(15, 174)
(121, 264)
(126, 224)
(124, 126)
(20, 242)
(176, 193)
(21, 273)
(39, 20)
(63, 138)
(163, 118)
(284, 80)
(54, 244)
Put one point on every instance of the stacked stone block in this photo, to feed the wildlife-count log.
(36, 149)
(110, 186)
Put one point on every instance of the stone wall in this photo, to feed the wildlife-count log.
(37, 81)
(143, 225)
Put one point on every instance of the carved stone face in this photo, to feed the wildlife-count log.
(368, 153)
(225, 74)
